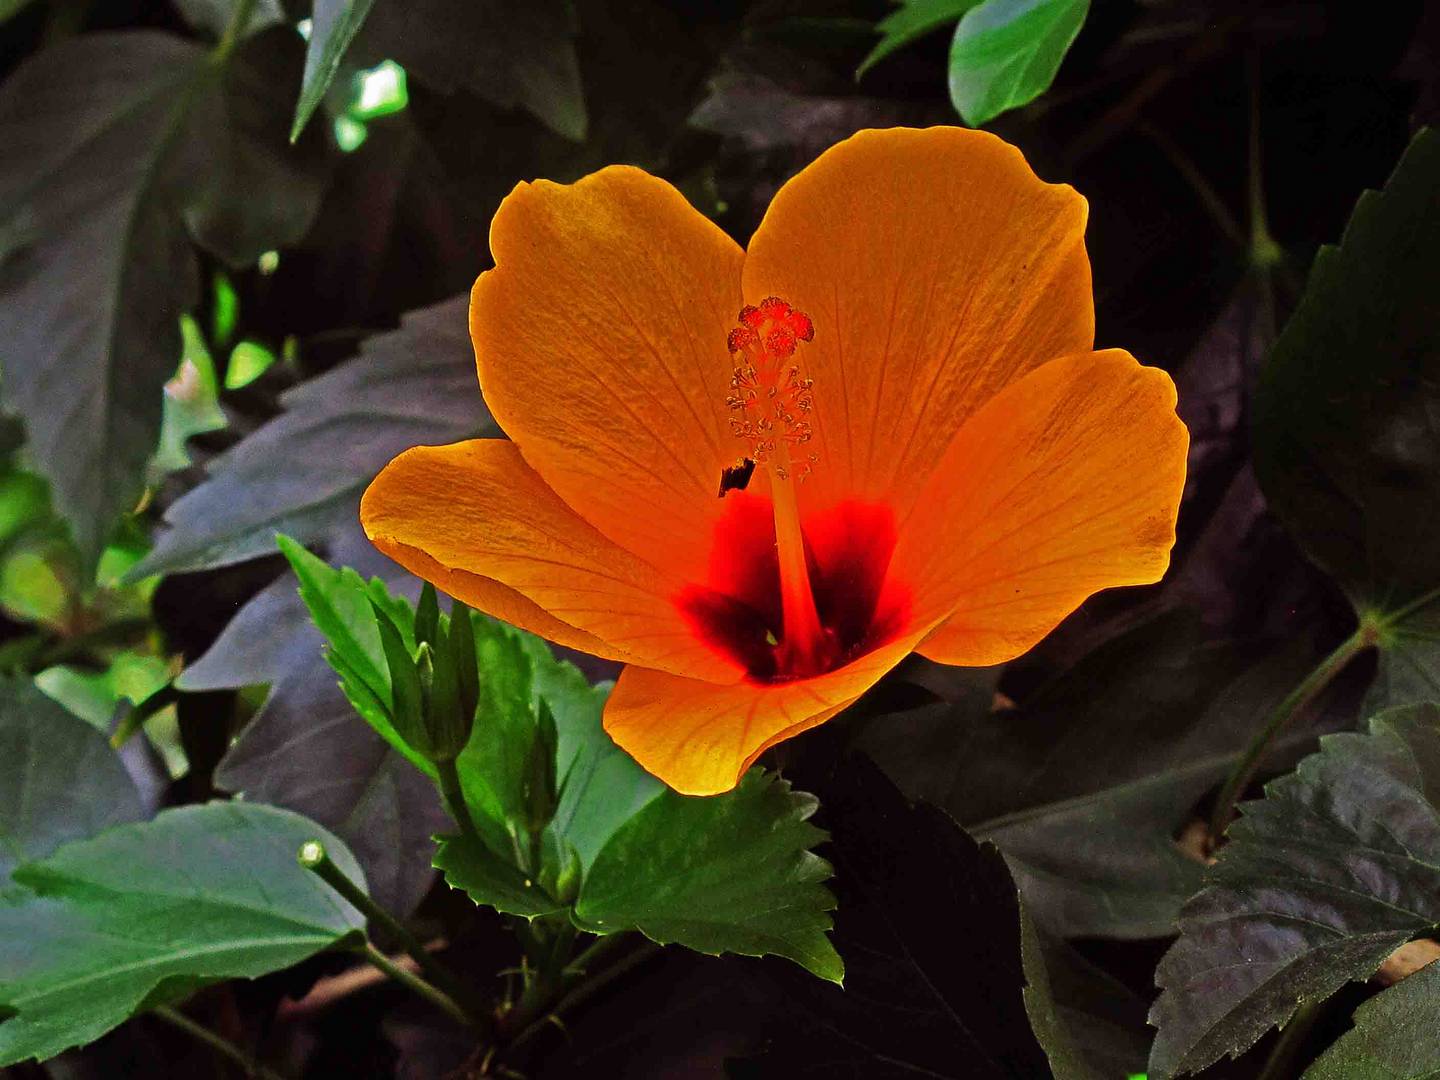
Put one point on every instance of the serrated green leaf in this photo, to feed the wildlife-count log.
(339, 603)
(729, 873)
(332, 28)
(343, 607)
(143, 914)
(492, 880)
(1006, 53)
(912, 20)
(1393, 1037)
(60, 781)
(1321, 880)
(1348, 452)
(139, 139)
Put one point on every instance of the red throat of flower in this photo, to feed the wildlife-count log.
(770, 405)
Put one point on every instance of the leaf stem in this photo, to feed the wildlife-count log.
(234, 30)
(1281, 1062)
(1310, 687)
(1264, 251)
(313, 857)
(408, 979)
(578, 984)
(454, 793)
(216, 1042)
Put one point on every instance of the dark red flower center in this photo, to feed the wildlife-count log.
(739, 613)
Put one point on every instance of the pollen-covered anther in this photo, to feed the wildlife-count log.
(770, 395)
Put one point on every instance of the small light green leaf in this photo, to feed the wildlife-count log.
(1322, 879)
(143, 914)
(192, 401)
(248, 361)
(332, 29)
(60, 781)
(729, 873)
(1393, 1037)
(912, 20)
(1006, 53)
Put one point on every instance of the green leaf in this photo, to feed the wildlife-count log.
(1322, 879)
(60, 781)
(143, 914)
(1006, 53)
(1393, 1037)
(601, 786)
(343, 607)
(492, 880)
(912, 20)
(303, 473)
(332, 28)
(192, 401)
(137, 139)
(406, 704)
(339, 602)
(729, 873)
(1348, 452)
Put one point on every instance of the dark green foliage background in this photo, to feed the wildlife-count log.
(1007, 871)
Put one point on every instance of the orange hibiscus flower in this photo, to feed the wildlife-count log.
(906, 443)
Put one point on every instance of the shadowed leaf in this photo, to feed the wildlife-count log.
(1322, 879)
(1393, 1037)
(120, 143)
(60, 781)
(1348, 452)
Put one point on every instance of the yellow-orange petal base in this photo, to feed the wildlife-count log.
(915, 449)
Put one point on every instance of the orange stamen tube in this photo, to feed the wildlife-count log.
(772, 402)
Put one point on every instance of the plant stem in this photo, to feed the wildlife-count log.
(216, 1042)
(417, 985)
(314, 858)
(234, 30)
(454, 794)
(1280, 1065)
(119, 632)
(142, 711)
(1240, 776)
(580, 986)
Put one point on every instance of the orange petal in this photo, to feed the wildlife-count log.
(1066, 483)
(700, 738)
(478, 522)
(936, 268)
(600, 341)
